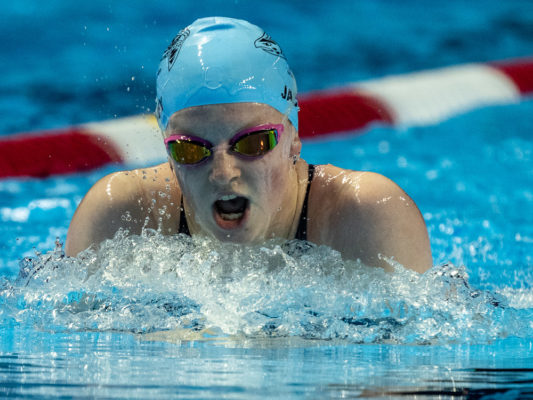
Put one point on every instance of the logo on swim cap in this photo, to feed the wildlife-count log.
(266, 43)
(175, 46)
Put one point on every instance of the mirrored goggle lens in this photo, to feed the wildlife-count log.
(188, 152)
(256, 143)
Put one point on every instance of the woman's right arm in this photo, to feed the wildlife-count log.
(115, 201)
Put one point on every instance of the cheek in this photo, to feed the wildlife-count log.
(270, 177)
(191, 182)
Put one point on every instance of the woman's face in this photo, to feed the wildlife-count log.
(230, 197)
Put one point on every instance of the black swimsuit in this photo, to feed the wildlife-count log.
(301, 232)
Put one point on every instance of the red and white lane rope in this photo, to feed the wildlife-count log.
(415, 99)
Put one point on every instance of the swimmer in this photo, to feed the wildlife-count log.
(227, 108)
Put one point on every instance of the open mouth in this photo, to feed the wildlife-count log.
(230, 210)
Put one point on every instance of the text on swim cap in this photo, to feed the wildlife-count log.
(287, 95)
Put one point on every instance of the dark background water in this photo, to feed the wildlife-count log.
(70, 62)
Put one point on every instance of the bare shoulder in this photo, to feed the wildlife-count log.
(125, 199)
(367, 216)
(355, 190)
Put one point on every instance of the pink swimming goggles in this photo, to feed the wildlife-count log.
(250, 143)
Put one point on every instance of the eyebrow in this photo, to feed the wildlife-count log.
(196, 115)
(171, 131)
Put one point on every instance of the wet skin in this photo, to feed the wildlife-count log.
(363, 215)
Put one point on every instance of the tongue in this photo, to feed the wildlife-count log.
(236, 205)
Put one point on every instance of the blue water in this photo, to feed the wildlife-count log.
(154, 317)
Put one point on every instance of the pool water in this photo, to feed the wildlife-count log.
(171, 317)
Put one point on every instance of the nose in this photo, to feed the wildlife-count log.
(224, 167)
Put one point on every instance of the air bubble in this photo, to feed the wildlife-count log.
(126, 216)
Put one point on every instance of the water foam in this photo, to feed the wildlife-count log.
(150, 283)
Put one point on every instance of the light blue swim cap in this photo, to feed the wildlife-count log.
(220, 60)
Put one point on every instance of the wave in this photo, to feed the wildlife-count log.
(203, 289)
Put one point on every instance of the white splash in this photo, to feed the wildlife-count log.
(152, 283)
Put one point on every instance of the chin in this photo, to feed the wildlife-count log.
(236, 236)
(247, 232)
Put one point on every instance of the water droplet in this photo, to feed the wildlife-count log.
(432, 174)
(401, 162)
(383, 147)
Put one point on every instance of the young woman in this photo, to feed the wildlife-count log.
(227, 107)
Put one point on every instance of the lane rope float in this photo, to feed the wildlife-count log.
(414, 99)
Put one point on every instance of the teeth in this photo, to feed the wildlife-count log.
(228, 197)
(231, 216)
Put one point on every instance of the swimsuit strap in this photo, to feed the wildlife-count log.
(301, 232)
(184, 227)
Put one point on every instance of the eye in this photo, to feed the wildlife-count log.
(256, 143)
(188, 152)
